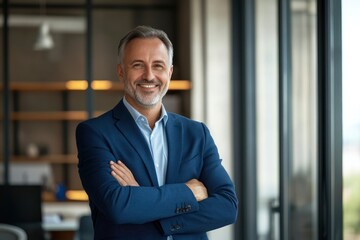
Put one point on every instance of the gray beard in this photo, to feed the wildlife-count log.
(142, 99)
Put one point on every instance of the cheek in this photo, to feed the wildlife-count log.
(164, 77)
(131, 77)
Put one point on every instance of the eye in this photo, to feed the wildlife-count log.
(159, 66)
(137, 65)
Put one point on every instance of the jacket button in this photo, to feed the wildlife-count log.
(175, 227)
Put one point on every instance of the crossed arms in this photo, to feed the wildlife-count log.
(125, 178)
(129, 197)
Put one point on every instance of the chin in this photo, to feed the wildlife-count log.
(149, 105)
(150, 102)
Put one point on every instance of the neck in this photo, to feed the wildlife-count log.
(152, 113)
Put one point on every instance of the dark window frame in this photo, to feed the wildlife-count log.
(330, 219)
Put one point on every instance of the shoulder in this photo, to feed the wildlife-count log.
(104, 117)
(100, 124)
(107, 117)
(182, 119)
(187, 123)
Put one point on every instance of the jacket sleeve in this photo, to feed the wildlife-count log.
(219, 209)
(124, 205)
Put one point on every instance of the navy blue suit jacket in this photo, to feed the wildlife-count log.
(152, 211)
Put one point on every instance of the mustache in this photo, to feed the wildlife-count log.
(148, 82)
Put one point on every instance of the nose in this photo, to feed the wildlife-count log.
(148, 74)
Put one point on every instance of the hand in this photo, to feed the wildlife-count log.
(198, 189)
(122, 174)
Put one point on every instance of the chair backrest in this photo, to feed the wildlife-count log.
(21, 205)
(86, 230)
(11, 232)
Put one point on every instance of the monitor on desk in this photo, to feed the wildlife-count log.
(20, 205)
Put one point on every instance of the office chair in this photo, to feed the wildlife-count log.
(25, 214)
(85, 230)
(11, 232)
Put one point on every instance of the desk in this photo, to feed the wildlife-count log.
(64, 227)
(64, 230)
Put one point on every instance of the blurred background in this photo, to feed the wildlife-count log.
(276, 82)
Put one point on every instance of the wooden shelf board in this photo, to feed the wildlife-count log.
(176, 85)
(51, 116)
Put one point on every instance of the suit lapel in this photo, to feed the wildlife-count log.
(174, 139)
(127, 126)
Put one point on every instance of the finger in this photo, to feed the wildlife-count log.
(119, 169)
(122, 172)
(125, 170)
(119, 179)
(124, 166)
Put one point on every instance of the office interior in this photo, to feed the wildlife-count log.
(274, 80)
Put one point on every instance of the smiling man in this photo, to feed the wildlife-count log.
(146, 69)
(151, 174)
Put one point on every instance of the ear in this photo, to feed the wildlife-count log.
(120, 72)
(171, 71)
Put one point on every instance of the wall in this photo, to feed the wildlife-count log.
(211, 77)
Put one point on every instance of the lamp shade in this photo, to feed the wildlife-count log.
(44, 40)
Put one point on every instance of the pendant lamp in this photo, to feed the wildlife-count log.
(44, 40)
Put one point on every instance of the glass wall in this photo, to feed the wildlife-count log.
(1, 90)
(351, 118)
(48, 50)
(267, 88)
(302, 175)
(303, 168)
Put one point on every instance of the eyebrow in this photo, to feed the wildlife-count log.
(141, 61)
(160, 61)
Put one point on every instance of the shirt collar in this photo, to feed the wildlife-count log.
(136, 115)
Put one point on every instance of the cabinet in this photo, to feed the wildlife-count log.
(44, 116)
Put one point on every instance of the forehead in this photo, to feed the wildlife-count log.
(145, 48)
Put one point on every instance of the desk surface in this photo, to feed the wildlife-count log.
(64, 225)
(63, 216)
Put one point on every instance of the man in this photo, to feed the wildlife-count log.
(150, 174)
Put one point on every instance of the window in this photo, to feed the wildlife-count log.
(351, 119)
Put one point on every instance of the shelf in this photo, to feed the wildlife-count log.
(65, 114)
(81, 85)
(54, 158)
(71, 196)
(51, 116)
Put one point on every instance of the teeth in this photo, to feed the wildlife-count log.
(148, 86)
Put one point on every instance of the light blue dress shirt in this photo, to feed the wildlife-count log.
(155, 138)
(156, 141)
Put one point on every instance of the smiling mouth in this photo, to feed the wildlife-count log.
(148, 85)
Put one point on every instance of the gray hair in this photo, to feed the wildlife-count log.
(145, 32)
